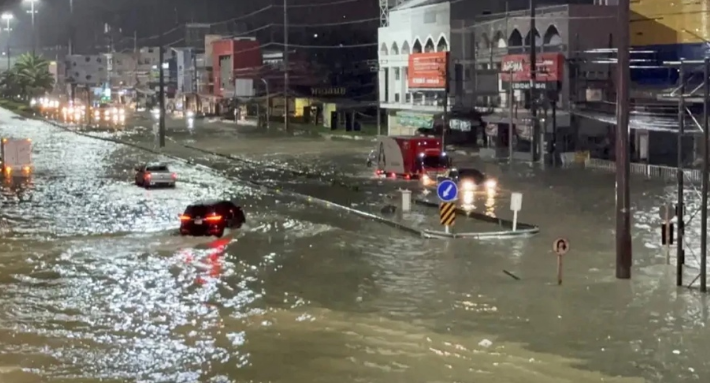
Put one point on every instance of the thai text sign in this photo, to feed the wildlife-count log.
(427, 70)
(516, 68)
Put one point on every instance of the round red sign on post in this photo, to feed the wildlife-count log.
(560, 246)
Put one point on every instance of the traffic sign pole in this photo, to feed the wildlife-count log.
(447, 215)
(560, 247)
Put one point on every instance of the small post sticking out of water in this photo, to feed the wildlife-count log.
(406, 200)
(560, 247)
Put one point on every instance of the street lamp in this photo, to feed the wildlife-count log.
(8, 18)
(32, 11)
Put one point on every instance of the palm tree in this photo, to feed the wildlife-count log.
(31, 75)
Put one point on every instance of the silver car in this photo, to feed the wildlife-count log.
(155, 175)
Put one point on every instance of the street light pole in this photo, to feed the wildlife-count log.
(71, 27)
(32, 12)
(8, 17)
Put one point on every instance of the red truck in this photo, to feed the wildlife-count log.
(409, 157)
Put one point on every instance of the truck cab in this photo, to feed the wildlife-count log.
(409, 157)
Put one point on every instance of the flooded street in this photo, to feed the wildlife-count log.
(95, 285)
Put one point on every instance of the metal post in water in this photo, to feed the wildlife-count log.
(533, 88)
(511, 131)
(623, 212)
(680, 258)
(161, 96)
(706, 169)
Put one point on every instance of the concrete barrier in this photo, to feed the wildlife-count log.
(523, 229)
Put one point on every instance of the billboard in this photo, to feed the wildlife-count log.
(427, 70)
(86, 69)
(516, 68)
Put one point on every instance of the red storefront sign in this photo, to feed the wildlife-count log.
(550, 68)
(427, 70)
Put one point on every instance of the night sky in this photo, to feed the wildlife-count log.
(151, 17)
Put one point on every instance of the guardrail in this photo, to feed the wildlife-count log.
(665, 173)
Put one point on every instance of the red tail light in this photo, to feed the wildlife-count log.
(407, 177)
(185, 218)
(214, 218)
(147, 176)
(174, 176)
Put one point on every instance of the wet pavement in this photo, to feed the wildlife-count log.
(96, 286)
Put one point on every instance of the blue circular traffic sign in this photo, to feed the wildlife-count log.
(447, 190)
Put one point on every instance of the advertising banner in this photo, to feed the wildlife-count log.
(516, 68)
(427, 70)
(86, 70)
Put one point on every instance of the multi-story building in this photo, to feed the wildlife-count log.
(481, 46)
(230, 55)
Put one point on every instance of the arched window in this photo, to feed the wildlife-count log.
(417, 48)
(515, 39)
(499, 40)
(442, 45)
(405, 48)
(483, 42)
(383, 50)
(429, 47)
(552, 36)
(395, 49)
(538, 39)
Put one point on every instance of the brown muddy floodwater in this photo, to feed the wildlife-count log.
(95, 286)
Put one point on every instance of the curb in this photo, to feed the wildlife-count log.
(307, 198)
(523, 229)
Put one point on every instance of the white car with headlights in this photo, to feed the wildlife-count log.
(470, 179)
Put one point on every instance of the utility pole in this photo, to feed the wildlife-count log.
(161, 94)
(511, 105)
(72, 87)
(533, 89)
(445, 116)
(286, 68)
(704, 191)
(379, 119)
(680, 210)
(623, 213)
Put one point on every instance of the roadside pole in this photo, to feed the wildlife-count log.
(287, 127)
(511, 130)
(667, 232)
(680, 209)
(704, 192)
(161, 96)
(623, 205)
(560, 247)
(445, 116)
(533, 86)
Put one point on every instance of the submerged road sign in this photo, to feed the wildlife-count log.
(447, 213)
(560, 246)
(447, 190)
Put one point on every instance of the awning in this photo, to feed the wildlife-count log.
(641, 122)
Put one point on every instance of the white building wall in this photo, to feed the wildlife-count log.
(409, 31)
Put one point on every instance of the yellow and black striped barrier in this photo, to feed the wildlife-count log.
(447, 213)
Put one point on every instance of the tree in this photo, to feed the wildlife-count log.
(32, 72)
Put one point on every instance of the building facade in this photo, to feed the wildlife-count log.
(230, 55)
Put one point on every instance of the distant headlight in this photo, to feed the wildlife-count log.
(468, 185)
(491, 184)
